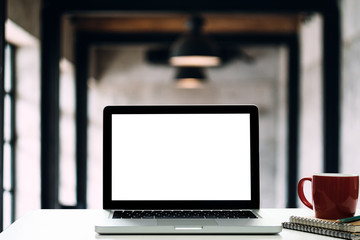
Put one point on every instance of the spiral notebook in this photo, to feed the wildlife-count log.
(324, 227)
(353, 227)
(321, 231)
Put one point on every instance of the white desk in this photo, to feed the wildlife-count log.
(79, 224)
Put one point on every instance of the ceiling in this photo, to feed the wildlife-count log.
(175, 23)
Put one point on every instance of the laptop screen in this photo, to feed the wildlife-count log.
(181, 157)
(161, 154)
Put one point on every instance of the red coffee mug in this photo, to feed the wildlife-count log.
(334, 195)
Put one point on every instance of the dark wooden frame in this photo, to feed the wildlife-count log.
(84, 40)
(52, 13)
(50, 58)
(13, 136)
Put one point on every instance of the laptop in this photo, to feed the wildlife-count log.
(183, 169)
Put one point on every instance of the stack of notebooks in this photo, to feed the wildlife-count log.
(324, 227)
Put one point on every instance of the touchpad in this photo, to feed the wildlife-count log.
(186, 222)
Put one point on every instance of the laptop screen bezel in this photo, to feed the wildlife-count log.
(110, 204)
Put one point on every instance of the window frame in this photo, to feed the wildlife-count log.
(11, 139)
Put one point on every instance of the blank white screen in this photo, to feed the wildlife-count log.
(181, 157)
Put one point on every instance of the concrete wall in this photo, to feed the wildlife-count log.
(28, 134)
(310, 148)
(310, 139)
(350, 92)
(123, 77)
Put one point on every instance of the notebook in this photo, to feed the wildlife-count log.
(324, 227)
(182, 169)
(310, 221)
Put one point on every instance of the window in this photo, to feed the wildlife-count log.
(9, 136)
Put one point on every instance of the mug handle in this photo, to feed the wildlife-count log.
(301, 194)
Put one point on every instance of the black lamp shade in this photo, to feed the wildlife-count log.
(194, 48)
(194, 45)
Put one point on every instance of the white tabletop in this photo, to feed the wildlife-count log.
(80, 224)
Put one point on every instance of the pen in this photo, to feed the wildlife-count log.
(347, 220)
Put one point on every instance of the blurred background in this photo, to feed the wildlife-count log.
(64, 61)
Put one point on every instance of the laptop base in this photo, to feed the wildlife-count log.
(108, 225)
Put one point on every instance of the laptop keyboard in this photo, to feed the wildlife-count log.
(183, 214)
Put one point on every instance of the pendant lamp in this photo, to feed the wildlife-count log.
(194, 49)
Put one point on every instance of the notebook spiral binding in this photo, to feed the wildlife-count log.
(321, 231)
(346, 227)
